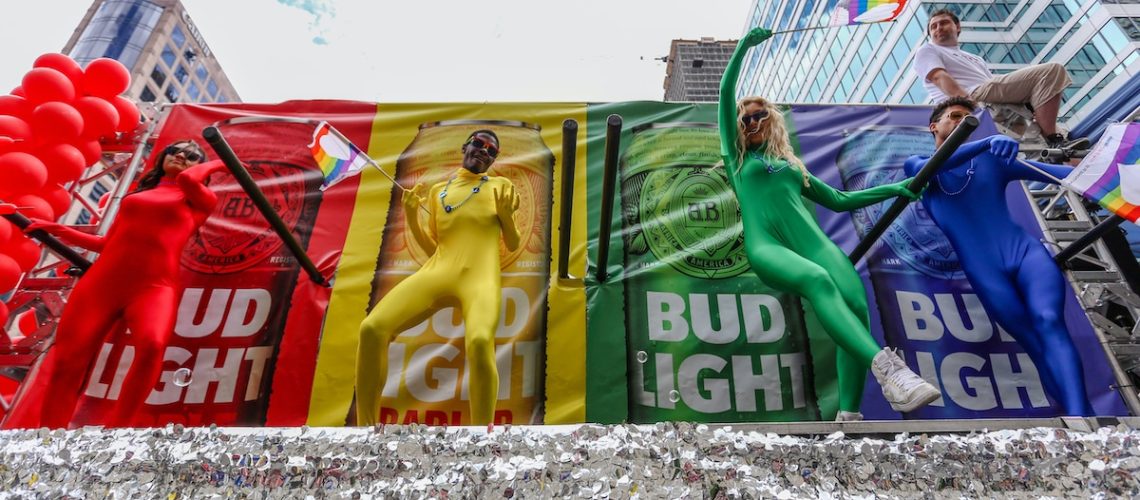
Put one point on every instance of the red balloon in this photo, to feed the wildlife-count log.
(15, 105)
(34, 206)
(92, 151)
(45, 84)
(64, 163)
(128, 113)
(16, 129)
(56, 122)
(3, 319)
(106, 78)
(19, 90)
(8, 144)
(5, 231)
(100, 118)
(57, 198)
(27, 323)
(20, 173)
(9, 273)
(24, 251)
(63, 64)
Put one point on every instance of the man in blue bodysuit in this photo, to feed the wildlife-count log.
(1012, 273)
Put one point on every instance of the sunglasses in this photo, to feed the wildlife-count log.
(956, 116)
(188, 152)
(758, 116)
(485, 146)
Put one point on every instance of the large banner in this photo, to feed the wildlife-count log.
(703, 339)
(680, 330)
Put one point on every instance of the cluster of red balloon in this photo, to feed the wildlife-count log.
(50, 131)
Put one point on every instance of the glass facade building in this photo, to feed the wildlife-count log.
(1098, 41)
(159, 43)
(167, 57)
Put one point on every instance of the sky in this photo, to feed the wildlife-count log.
(416, 50)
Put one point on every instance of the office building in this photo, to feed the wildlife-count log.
(157, 41)
(169, 61)
(694, 69)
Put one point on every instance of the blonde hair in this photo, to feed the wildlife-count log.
(773, 131)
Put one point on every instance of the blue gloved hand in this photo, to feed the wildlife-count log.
(1004, 147)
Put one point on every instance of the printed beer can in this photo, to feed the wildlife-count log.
(432, 353)
(237, 282)
(926, 306)
(707, 340)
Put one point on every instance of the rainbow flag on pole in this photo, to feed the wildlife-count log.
(1112, 161)
(849, 12)
(337, 157)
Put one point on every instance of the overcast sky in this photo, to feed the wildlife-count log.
(416, 50)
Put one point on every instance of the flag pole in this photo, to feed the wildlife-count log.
(309, 121)
(1042, 172)
(367, 158)
(334, 131)
(826, 26)
(809, 29)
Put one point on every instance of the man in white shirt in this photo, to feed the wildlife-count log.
(948, 71)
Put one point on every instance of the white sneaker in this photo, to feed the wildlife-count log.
(848, 416)
(904, 389)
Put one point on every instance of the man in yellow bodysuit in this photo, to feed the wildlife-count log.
(468, 213)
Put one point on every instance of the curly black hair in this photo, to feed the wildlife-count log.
(953, 101)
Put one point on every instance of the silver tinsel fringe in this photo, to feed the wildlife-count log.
(587, 461)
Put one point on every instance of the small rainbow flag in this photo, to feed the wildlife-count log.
(337, 157)
(1098, 177)
(849, 12)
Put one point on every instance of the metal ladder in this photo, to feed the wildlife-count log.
(42, 292)
(1108, 301)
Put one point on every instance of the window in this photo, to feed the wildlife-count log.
(212, 88)
(168, 56)
(916, 94)
(118, 30)
(178, 37)
(158, 76)
(180, 74)
(878, 91)
(200, 70)
(990, 12)
(147, 95)
(192, 92)
(97, 191)
(172, 93)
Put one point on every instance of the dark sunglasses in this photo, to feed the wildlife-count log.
(754, 117)
(485, 146)
(189, 152)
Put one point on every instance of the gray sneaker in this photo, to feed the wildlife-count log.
(904, 389)
(848, 416)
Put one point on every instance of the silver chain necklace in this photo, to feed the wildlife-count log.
(443, 194)
(969, 176)
(757, 155)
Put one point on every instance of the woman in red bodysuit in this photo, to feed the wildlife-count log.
(135, 280)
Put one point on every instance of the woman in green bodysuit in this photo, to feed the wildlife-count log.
(787, 249)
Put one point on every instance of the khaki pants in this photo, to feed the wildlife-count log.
(1033, 85)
